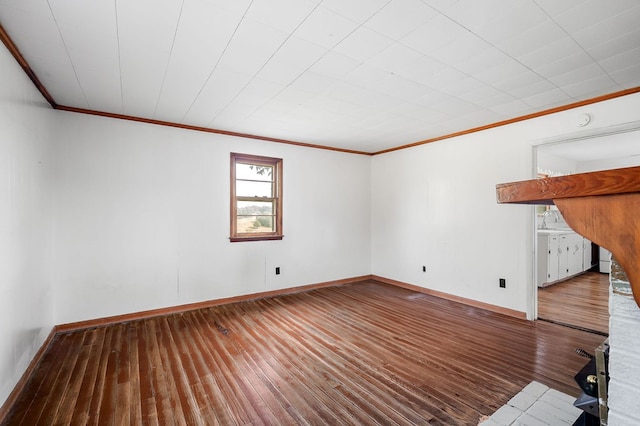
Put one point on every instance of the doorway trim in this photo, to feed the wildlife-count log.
(632, 126)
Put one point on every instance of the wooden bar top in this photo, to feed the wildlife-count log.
(603, 207)
(544, 191)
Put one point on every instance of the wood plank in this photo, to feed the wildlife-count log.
(545, 191)
(582, 301)
(360, 353)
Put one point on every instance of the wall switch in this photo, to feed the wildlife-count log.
(277, 270)
(424, 269)
(503, 283)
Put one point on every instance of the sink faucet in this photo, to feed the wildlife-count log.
(546, 215)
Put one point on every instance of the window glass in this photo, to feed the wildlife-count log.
(256, 198)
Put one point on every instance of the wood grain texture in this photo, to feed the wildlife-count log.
(365, 353)
(545, 191)
(612, 222)
(582, 301)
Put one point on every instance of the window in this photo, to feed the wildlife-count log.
(256, 198)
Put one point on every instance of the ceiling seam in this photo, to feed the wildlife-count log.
(66, 49)
(115, 6)
(218, 61)
(166, 69)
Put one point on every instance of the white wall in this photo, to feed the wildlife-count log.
(610, 163)
(26, 201)
(434, 205)
(142, 218)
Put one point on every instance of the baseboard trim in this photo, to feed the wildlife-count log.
(454, 298)
(100, 322)
(19, 387)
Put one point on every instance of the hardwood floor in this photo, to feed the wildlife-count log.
(365, 353)
(582, 301)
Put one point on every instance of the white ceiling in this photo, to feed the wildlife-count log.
(364, 75)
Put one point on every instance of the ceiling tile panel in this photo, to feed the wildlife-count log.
(394, 58)
(251, 47)
(510, 20)
(299, 53)
(612, 28)
(459, 50)
(580, 73)
(422, 69)
(325, 28)
(621, 61)
(334, 65)
(555, 7)
(478, 93)
(627, 77)
(365, 76)
(433, 35)
(612, 47)
(399, 17)
(591, 87)
(590, 12)
(440, 5)
(312, 82)
(145, 41)
(92, 46)
(491, 102)
(401, 88)
(530, 39)
(356, 10)
(284, 15)
(279, 72)
(564, 65)
(200, 40)
(526, 85)
(223, 86)
(362, 44)
(548, 99)
(552, 52)
(502, 72)
(454, 106)
(512, 109)
(475, 14)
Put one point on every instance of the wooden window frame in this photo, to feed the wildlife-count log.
(276, 163)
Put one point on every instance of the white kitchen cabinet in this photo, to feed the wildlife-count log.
(561, 254)
(575, 252)
(548, 258)
(587, 258)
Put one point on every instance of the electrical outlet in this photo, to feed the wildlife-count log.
(503, 283)
(277, 270)
(424, 269)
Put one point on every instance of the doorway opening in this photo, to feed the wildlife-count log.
(571, 285)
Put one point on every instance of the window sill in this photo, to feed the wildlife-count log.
(256, 238)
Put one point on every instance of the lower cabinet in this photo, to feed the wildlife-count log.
(561, 254)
